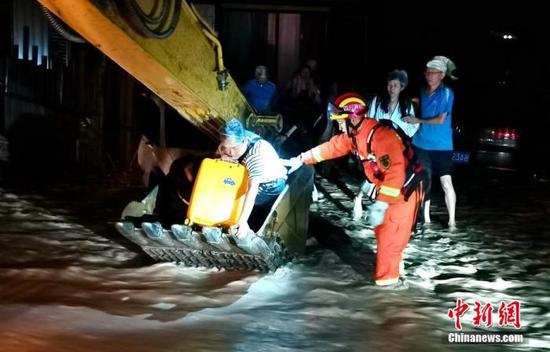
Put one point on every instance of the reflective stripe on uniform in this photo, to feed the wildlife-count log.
(390, 191)
(385, 282)
(316, 154)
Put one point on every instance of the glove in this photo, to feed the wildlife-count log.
(358, 207)
(293, 164)
(375, 213)
(369, 189)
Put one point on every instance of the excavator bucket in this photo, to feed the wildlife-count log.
(282, 234)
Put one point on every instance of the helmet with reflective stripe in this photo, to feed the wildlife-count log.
(348, 105)
(351, 109)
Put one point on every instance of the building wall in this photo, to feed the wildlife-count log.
(65, 106)
(285, 36)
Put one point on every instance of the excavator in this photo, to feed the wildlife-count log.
(174, 52)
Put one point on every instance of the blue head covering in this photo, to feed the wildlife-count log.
(233, 129)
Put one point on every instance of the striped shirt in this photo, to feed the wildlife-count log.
(263, 163)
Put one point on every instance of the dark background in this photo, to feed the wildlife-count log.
(91, 113)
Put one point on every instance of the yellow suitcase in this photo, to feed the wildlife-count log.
(218, 193)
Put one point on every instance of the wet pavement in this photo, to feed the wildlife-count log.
(69, 282)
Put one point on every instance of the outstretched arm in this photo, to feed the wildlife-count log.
(249, 201)
(336, 147)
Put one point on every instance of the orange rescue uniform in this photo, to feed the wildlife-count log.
(386, 168)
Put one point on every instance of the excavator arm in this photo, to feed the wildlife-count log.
(182, 64)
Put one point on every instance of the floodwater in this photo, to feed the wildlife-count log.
(69, 282)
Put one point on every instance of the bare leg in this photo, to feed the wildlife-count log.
(427, 219)
(450, 197)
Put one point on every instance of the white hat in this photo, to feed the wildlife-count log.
(443, 64)
(437, 65)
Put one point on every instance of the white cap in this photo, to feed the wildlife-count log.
(437, 65)
(443, 64)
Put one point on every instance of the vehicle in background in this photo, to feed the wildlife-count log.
(493, 146)
(499, 148)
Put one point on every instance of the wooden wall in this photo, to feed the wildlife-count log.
(71, 111)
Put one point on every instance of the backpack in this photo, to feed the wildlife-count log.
(415, 173)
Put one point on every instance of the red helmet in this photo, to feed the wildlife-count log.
(348, 105)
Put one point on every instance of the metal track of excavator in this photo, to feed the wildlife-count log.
(197, 251)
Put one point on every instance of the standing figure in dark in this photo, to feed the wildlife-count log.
(259, 91)
(300, 105)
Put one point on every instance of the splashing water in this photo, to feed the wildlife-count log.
(69, 284)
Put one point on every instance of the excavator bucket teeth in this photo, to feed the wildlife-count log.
(282, 235)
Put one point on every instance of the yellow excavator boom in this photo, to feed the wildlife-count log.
(185, 69)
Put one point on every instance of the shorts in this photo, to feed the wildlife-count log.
(269, 191)
(438, 162)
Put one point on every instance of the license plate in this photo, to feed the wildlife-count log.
(461, 157)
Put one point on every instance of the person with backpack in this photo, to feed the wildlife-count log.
(392, 171)
(389, 107)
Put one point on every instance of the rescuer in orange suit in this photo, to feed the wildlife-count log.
(382, 153)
